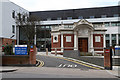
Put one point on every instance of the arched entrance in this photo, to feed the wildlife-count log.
(84, 31)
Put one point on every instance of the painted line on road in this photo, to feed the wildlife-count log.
(41, 63)
(80, 63)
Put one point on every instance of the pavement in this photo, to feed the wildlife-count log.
(8, 69)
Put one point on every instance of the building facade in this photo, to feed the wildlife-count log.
(97, 28)
(9, 33)
(104, 18)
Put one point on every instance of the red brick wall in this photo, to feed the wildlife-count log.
(68, 44)
(20, 59)
(98, 44)
(57, 44)
(9, 41)
(15, 60)
(32, 56)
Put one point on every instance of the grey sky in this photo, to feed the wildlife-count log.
(41, 5)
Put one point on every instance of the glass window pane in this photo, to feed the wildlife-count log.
(80, 17)
(107, 37)
(69, 17)
(107, 24)
(59, 18)
(107, 43)
(103, 16)
(114, 24)
(113, 36)
(116, 15)
(91, 17)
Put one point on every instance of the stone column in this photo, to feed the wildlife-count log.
(117, 39)
(62, 43)
(92, 48)
(104, 40)
(110, 40)
(75, 41)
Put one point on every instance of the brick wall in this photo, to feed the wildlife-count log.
(20, 60)
(98, 44)
(15, 60)
(56, 44)
(9, 41)
(68, 44)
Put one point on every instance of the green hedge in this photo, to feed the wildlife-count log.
(8, 50)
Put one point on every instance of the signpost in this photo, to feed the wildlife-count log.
(20, 49)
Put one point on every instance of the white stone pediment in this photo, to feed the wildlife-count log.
(83, 22)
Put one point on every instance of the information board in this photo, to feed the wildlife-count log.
(20, 49)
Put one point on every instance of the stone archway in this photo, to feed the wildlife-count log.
(84, 31)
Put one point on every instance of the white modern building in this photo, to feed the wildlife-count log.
(8, 30)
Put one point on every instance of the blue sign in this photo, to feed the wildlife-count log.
(20, 50)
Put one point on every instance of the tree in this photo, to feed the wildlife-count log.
(28, 25)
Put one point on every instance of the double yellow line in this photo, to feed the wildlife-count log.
(81, 63)
(41, 63)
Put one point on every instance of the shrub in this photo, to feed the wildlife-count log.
(8, 50)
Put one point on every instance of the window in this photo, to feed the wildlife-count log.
(19, 15)
(116, 15)
(48, 19)
(97, 39)
(92, 17)
(107, 24)
(13, 14)
(69, 18)
(80, 17)
(114, 24)
(59, 18)
(107, 40)
(103, 16)
(113, 40)
(47, 27)
(13, 28)
(42, 27)
(68, 38)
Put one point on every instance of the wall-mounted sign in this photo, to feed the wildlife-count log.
(20, 49)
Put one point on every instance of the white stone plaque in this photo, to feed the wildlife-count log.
(68, 38)
(97, 39)
(55, 38)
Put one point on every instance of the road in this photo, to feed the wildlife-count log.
(60, 63)
(58, 68)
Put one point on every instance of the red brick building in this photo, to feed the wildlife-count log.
(82, 35)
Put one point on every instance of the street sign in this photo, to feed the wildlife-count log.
(107, 51)
(20, 49)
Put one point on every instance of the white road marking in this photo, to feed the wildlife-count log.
(60, 65)
(67, 65)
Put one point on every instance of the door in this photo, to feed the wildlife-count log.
(83, 44)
